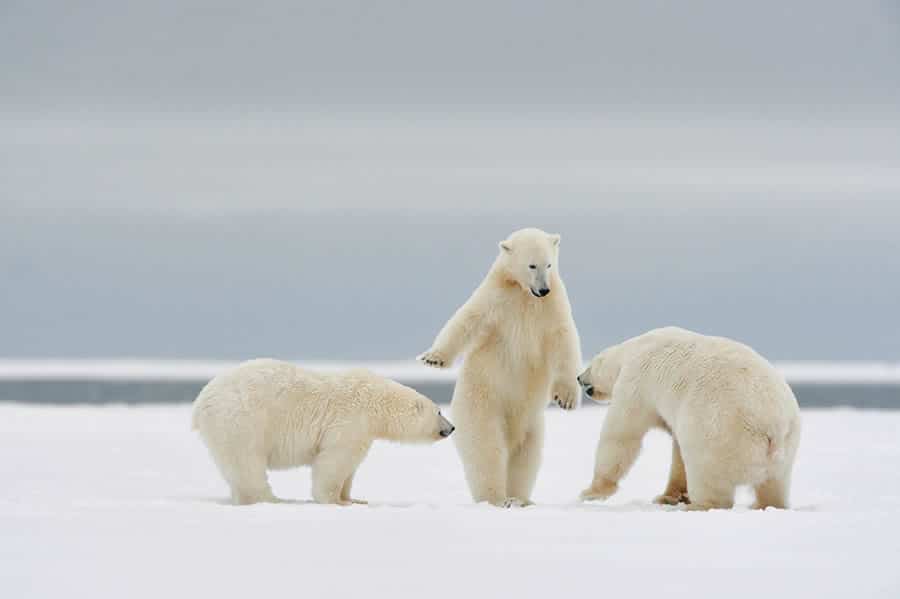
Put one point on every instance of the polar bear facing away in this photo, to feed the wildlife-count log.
(733, 419)
(269, 415)
(522, 351)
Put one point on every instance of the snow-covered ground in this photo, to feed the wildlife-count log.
(124, 502)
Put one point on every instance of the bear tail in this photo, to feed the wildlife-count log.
(775, 450)
(778, 442)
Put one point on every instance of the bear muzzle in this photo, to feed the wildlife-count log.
(585, 386)
(446, 428)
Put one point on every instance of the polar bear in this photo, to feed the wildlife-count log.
(522, 351)
(268, 415)
(733, 419)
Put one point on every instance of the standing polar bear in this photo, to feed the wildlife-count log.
(733, 419)
(523, 351)
(269, 415)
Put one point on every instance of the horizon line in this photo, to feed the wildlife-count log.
(123, 369)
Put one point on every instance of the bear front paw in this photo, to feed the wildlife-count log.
(566, 396)
(435, 359)
(352, 501)
(511, 502)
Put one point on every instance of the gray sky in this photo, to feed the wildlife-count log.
(804, 56)
(798, 277)
(329, 180)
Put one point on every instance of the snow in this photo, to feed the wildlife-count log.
(407, 371)
(123, 502)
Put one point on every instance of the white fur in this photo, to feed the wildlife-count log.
(522, 351)
(268, 415)
(734, 420)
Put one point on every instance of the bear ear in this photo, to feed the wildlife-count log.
(554, 239)
(506, 246)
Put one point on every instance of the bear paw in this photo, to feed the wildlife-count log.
(566, 395)
(352, 501)
(511, 502)
(671, 499)
(435, 359)
(599, 492)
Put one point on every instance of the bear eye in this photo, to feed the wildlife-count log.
(548, 266)
(532, 266)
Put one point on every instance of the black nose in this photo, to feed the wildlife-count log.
(445, 432)
(543, 292)
(589, 391)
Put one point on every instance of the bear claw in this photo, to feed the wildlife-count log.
(567, 399)
(433, 359)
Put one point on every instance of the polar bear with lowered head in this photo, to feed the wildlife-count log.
(522, 351)
(733, 419)
(270, 415)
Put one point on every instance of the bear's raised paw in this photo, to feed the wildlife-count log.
(434, 359)
(566, 395)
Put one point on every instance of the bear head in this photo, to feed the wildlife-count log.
(600, 376)
(528, 258)
(413, 418)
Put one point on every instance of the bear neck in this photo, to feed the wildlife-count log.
(382, 418)
(500, 278)
(385, 428)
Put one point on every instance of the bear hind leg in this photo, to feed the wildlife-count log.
(485, 463)
(771, 493)
(487, 480)
(775, 491)
(709, 492)
(523, 468)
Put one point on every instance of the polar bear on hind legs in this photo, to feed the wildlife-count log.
(733, 419)
(522, 351)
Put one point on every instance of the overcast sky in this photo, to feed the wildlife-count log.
(329, 180)
(697, 55)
